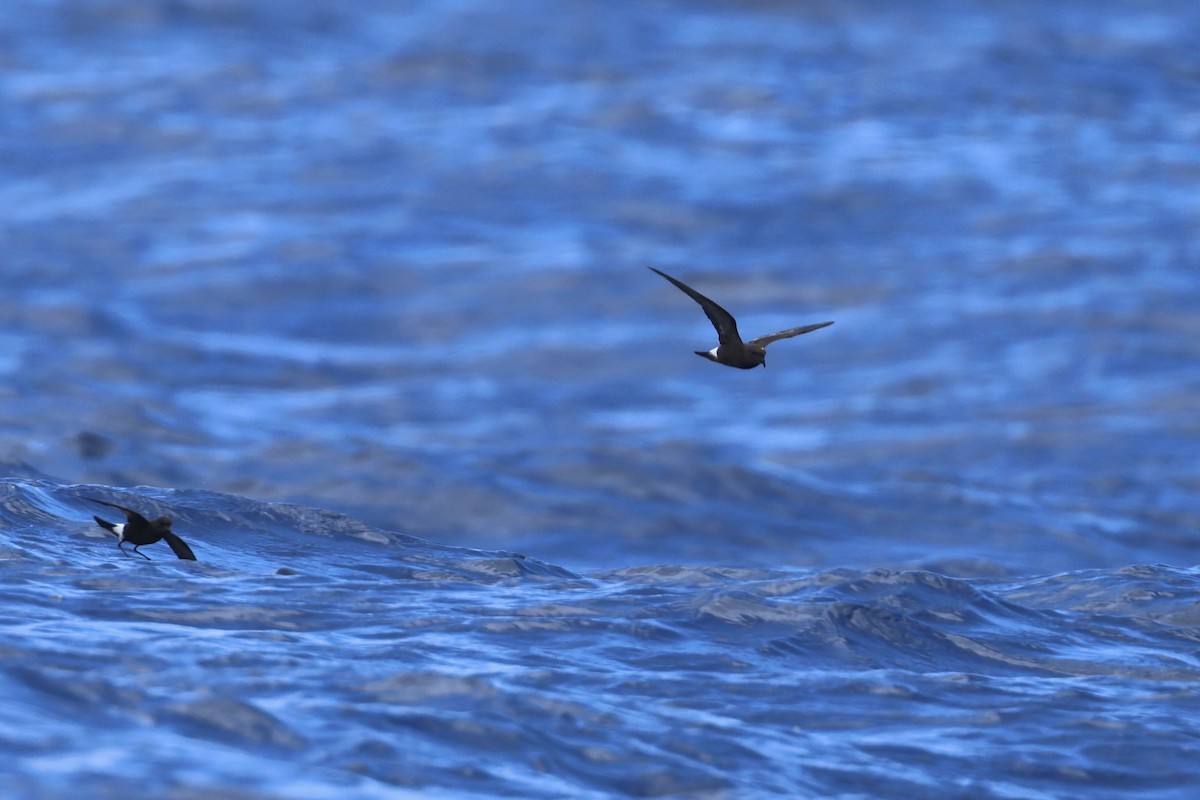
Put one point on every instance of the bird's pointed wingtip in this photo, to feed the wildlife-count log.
(98, 500)
(122, 509)
(180, 547)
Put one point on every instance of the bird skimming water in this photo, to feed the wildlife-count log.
(139, 530)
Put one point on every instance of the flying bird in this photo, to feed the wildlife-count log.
(140, 531)
(731, 350)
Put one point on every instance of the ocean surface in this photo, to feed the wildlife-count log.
(357, 294)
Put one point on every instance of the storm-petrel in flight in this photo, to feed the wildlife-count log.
(140, 531)
(732, 351)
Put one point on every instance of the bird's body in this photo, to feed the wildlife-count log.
(731, 350)
(139, 531)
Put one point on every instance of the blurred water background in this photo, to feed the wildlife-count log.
(357, 294)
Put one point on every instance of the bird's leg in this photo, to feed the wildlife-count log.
(140, 553)
(121, 547)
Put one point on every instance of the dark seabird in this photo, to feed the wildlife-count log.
(732, 351)
(140, 531)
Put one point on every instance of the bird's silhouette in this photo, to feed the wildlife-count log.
(139, 530)
(731, 350)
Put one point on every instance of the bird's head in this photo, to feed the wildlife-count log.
(163, 522)
(758, 353)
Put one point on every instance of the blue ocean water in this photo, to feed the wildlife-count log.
(357, 294)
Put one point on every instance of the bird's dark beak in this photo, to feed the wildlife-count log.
(764, 363)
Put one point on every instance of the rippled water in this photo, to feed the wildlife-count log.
(266, 258)
(308, 655)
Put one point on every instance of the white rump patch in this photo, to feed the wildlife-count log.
(713, 352)
(119, 530)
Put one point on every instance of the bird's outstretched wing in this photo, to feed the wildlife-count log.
(130, 514)
(722, 320)
(179, 546)
(763, 341)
